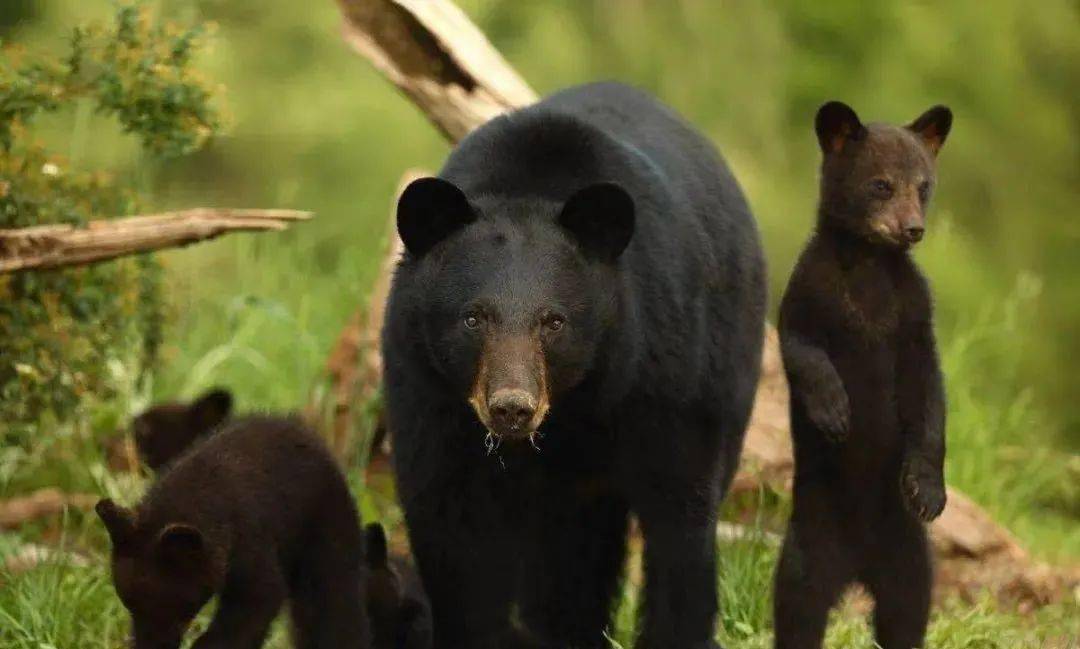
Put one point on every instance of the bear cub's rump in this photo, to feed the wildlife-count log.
(256, 514)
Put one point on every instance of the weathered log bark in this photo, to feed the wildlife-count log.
(430, 50)
(52, 246)
(438, 58)
(354, 367)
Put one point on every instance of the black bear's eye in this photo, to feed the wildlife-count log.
(882, 187)
(554, 322)
(472, 321)
(924, 190)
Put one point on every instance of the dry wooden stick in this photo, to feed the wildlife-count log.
(52, 246)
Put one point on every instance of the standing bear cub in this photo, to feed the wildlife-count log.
(867, 406)
(256, 514)
(573, 335)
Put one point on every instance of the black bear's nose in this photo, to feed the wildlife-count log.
(914, 233)
(511, 410)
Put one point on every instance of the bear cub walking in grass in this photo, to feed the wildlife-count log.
(867, 407)
(256, 514)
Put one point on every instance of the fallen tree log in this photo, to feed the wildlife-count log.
(41, 504)
(53, 246)
(430, 50)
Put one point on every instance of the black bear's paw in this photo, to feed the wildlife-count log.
(828, 408)
(923, 488)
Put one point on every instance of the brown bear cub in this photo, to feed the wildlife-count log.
(867, 406)
(165, 431)
(256, 514)
(396, 603)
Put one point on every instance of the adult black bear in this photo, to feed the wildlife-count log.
(257, 513)
(867, 407)
(585, 275)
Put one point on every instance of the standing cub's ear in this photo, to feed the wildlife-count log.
(836, 125)
(933, 127)
(211, 409)
(429, 210)
(600, 219)
(119, 521)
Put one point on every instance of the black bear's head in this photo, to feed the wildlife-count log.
(517, 292)
(876, 179)
(165, 431)
(164, 574)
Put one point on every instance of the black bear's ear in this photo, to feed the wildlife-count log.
(836, 125)
(429, 210)
(600, 218)
(119, 521)
(933, 127)
(375, 545)
(180, 546)
(211, 409)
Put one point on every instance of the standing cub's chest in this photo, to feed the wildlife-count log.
(868, 301)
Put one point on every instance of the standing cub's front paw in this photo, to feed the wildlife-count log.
(828, 408)
(923, 488)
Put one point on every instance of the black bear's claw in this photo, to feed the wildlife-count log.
(924, 493)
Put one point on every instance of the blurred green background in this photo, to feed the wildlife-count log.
(312, 126)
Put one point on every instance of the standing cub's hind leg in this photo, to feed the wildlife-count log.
(813, 570)
(900, 577)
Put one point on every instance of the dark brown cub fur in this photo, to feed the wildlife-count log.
(256, 514)
(397, 605)
(165, 431)
(868, 406)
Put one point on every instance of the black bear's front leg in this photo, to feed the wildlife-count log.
(815, 383)
(673, 472)
(921, 400)
(464, 549)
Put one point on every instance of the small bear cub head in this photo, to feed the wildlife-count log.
(165, 431)
(876, 179)
(164, 574)
(396, 605)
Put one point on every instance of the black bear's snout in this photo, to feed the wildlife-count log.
(914, 233)
(511, 411)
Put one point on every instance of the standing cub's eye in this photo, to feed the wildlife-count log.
(882, 187)
(472, 321)
(554, 322)
(924, 190)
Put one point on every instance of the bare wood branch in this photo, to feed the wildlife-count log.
(438, 58)
(52, 246)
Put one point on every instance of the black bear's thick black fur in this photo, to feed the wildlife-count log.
(256, 513)
(867, 406)
(574, 335)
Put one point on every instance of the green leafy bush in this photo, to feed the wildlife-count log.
(72, 335)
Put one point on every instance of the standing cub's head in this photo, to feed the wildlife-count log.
(165, 431)
(876, 179)
(164, 574)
